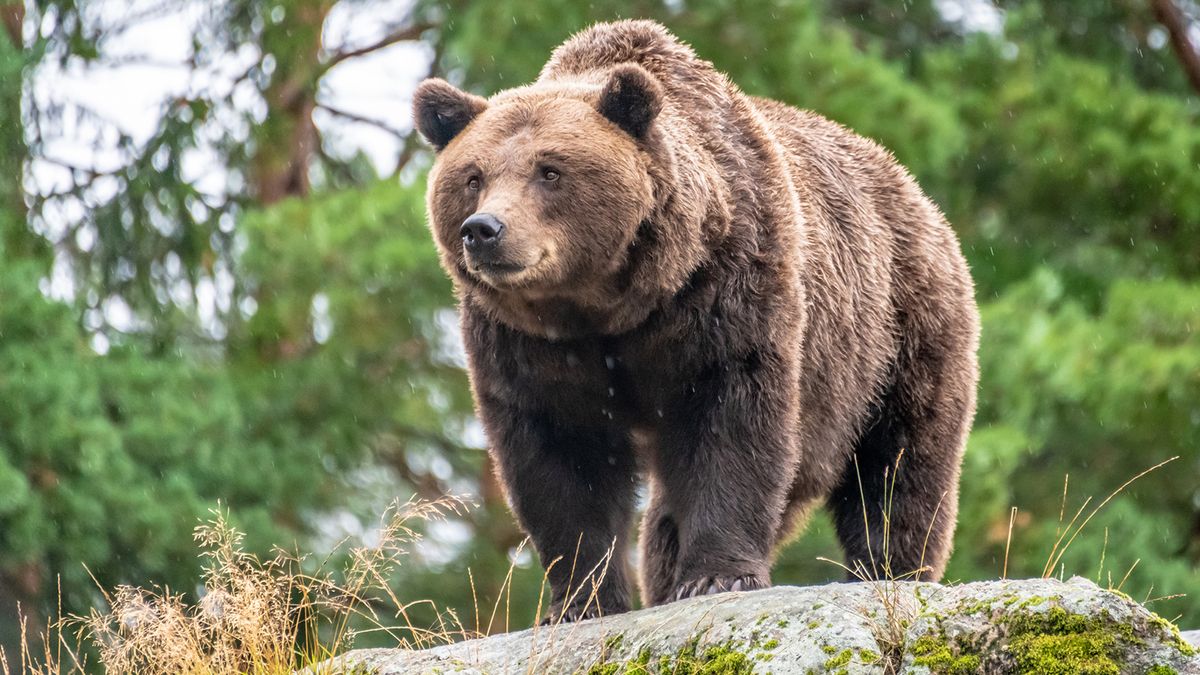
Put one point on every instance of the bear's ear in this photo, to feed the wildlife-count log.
(631, 99)
(442, 110)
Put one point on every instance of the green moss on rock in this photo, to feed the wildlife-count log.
(1173, 635)
(842, 658)
(1059, 642)
(977, 607)
(714, 660)
(936, 655)
(1089, 653)
(691, 659)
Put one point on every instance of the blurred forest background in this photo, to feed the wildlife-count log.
(239, 305)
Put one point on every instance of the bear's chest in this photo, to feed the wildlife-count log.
(629, 381)
(579, 381)
(601, 381)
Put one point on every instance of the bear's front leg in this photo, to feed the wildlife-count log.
(727, 455)
(571, 487)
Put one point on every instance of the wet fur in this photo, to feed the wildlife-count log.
(735, 299)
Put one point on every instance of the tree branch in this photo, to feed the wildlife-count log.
(407, 152)
(365, 120)
(1173, 19)
(407, 33)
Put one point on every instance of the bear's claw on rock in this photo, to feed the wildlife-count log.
(717, 584)
(574, 613)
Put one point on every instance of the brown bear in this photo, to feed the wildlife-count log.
(747, 304)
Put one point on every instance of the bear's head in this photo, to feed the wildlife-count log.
(539, 195)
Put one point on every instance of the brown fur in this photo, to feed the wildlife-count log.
(737, 299)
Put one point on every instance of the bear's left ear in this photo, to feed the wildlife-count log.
(631, 99)
(442, 110)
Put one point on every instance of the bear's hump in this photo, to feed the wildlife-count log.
(602, 45)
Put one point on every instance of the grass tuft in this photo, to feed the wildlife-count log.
(252, 616)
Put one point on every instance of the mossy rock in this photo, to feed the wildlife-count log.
(1075, 628)
(1041, 626)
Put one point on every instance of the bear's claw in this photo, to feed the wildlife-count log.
(574, 613)
(717, 584)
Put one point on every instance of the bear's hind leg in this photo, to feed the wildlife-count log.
(907, 473)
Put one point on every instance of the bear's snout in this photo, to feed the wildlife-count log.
(481, 233)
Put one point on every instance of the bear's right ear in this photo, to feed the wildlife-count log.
(631, 99)
(442, 110)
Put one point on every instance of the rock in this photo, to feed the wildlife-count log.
(1192, 636)
(1041, 625)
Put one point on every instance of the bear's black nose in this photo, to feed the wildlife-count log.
(481, 233)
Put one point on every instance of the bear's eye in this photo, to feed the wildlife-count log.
(473, 183)
(549, 175)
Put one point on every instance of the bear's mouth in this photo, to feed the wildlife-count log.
(498, 269)
(505, 273)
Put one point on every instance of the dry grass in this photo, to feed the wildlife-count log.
(271, 617)
(254, 616)
(1066, 535)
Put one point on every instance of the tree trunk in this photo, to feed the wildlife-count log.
(286, 141)
(1177, 25)
(15, 237)
(13, 16)
(21, 583)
